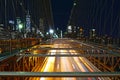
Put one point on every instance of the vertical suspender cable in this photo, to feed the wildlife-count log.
(105, 18)
(1, 10)
(93, 12)
(100, 17)
(111, 25)
(5, 14)
(115, 26)
(102, 20)
(14, 12)
(51, 14)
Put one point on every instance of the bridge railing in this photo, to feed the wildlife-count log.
(16, 44)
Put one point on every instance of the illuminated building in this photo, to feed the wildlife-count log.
(28, 23)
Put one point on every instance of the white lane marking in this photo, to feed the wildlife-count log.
(57, 66)
(73, 66)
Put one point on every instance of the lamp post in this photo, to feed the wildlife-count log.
(20, 26)
(51, 31)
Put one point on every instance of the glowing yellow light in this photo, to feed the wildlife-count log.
(49, 65)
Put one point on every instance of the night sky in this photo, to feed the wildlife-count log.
(61, 12)
(103, 15)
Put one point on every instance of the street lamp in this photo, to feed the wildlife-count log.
(20, 26)
(51, 31)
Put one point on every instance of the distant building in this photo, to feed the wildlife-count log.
(41, 25)
(81, 32)
(18, 21)
(28, 23)
(92, 33)
(69, 29)
(74, 29)
(11, 26)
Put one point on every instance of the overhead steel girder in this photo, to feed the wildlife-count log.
(66, 55)
(84, 49)
(62, 49)
(61, 74)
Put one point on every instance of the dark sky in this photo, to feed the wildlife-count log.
(103, 15)
(61, 12)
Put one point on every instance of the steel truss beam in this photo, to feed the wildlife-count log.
(67, 55)
(62, 49)
(79, 49)
(61, 74)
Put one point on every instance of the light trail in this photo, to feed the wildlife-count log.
(49, 66)
(68, 64)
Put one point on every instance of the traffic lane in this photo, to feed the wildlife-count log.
(79, 66)
(49, 66)
(63, 64)
(66, 65)
(73, 64)
(90, 67)
(57, 68)
(60, 64)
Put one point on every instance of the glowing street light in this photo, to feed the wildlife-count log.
(51, 31)
(20, 26)
(47, 33)
(74, 4)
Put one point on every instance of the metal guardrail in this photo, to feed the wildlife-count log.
(8, 55)
(61, 74)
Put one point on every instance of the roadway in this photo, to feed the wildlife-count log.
(67, 64)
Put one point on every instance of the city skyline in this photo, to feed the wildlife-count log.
(94, 14)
